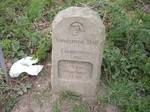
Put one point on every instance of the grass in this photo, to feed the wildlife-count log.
(70, 101)
(125, 95)
(34, 9)
(126, 59)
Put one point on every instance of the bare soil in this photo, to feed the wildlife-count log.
(41, 99)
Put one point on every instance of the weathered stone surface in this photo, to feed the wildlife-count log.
(78, 36)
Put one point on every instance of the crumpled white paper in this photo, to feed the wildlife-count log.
(25, 65)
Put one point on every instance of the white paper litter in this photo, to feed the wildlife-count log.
(25, 65)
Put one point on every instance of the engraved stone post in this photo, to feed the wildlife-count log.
(78, 36)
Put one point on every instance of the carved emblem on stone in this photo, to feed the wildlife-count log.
(76, 28)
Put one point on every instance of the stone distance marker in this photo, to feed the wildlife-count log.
(78, 36)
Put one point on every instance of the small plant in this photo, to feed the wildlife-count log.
(6, 101)
(43, 48)
(69, 95)
(9, 103)
(72, 101)
(56, 107)
(80, 108)
(125, 95)
(35, 8)
(12, 48)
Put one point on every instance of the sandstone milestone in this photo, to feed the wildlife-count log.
(78, 36)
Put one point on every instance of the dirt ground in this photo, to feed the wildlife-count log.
(41, 99)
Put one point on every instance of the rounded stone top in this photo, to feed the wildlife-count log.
(81, 12)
